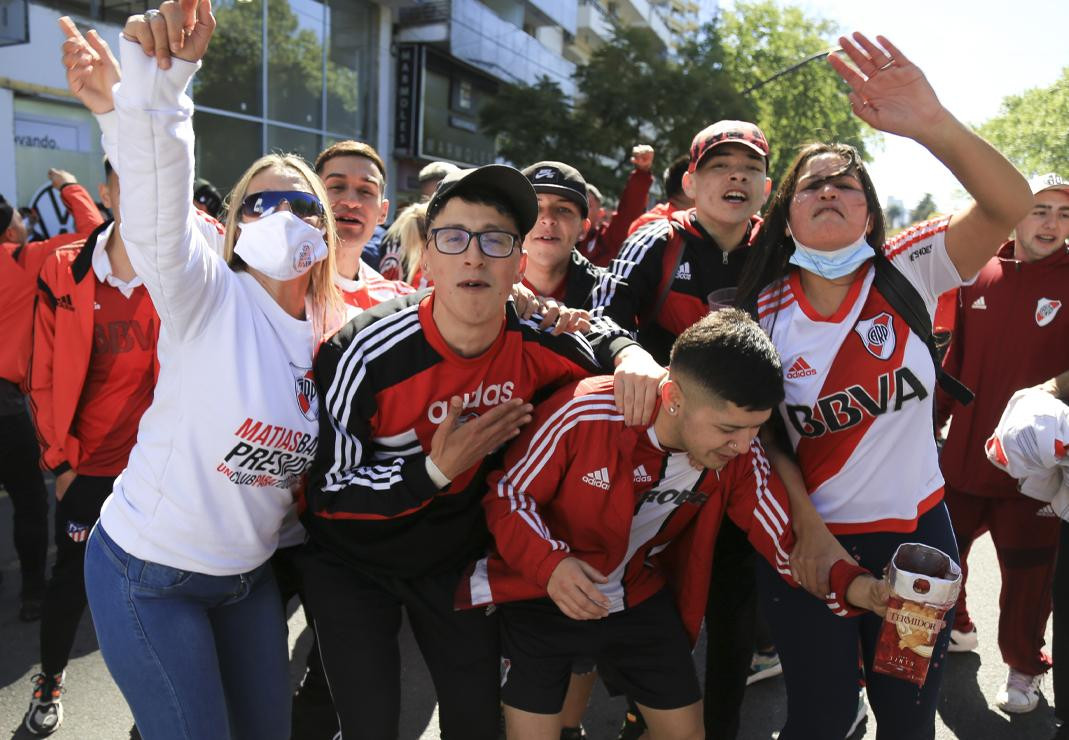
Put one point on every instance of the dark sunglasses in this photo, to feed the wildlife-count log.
(301, 203)
(452, 240)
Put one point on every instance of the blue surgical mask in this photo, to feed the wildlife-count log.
(834, 263)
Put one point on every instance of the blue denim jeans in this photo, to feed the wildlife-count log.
(195, 656)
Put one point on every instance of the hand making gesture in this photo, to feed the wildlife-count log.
(890, 93)
(180, 28)
(92, 70)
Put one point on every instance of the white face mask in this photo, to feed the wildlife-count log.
(280, 245)
(833, 263)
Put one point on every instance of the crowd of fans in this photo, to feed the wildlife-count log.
(558, 439)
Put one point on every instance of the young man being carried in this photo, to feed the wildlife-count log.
(418, 394)
(600, 517)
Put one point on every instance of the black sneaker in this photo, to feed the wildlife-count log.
(45, 714)
(634, 726)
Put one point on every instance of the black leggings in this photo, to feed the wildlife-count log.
(357, 617)
(65, 596)
(819, 650)
(20, 476)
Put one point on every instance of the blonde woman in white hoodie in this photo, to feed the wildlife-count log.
(186, 610)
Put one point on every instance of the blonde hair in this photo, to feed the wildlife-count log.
(325, 296)
(409, 230)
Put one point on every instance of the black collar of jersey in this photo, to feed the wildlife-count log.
(83, 263)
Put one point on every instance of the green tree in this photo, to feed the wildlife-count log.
(662, 101)
(923, 210)
(761, 38)
(894, 214)
(1032, 129)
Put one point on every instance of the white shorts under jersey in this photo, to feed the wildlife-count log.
(859, 391)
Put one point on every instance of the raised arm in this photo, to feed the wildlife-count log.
(153, 153)
(891, 94)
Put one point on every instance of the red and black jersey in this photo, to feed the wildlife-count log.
(578, 482)
(385, 381)
(639, 272)
(574, 291)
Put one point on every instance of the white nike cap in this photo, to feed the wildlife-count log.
(1049, 181)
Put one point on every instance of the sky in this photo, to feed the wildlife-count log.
(974, 52)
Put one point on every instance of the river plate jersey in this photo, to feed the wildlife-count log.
(859, 391)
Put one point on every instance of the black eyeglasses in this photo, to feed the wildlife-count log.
(301, 203)
(452, 240)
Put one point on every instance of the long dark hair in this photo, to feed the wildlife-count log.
(768, 260)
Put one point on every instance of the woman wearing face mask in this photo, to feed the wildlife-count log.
(186, 610)
(859, 382)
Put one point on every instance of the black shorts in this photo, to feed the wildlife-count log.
(643, 651)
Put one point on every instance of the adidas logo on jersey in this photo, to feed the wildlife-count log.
(800, 369)
(641, 476)
(490, 395)
(979, 303)
(598, 479)
(1047, 512)
(683, 273)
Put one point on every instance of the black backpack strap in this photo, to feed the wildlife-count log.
(908, 304)
(673, 255)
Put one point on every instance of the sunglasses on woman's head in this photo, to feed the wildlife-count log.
(301, 203)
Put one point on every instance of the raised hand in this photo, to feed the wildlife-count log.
(890, 93)
(59, 178)
(180, 28)
(92, 70)
(642, 157)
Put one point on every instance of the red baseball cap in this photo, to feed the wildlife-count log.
(726, 132)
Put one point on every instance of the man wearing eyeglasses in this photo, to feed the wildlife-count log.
(418, 396)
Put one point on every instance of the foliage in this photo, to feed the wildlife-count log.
(761, 38)
(923, 210)
(1032, 129)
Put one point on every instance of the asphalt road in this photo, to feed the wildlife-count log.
(95, 710)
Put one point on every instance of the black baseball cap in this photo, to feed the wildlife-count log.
(507, 182)
(559, 179)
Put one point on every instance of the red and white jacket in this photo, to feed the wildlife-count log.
(579, 483)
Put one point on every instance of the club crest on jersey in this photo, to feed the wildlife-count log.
(77, 531)
(305, 388)
(1046, 310)
(878, 335)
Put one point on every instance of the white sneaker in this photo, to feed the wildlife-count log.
(1020, 694)
(963, 642)
(862, 712)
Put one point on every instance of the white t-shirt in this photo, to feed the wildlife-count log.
(859, 391)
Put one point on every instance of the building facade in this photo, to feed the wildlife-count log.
(296, 75)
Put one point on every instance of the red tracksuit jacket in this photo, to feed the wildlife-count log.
(19, 266)
(578, 482)
(1012, 332)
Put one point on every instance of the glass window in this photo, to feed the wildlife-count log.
(295, 61)
(225, 148)
(231, 78)
(112, 11)
(289, 141)
(349, 54)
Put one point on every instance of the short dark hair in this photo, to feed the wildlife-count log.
(350, 148)
(480, 195)
(108, 169)
(730, 357)
(673, 176)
